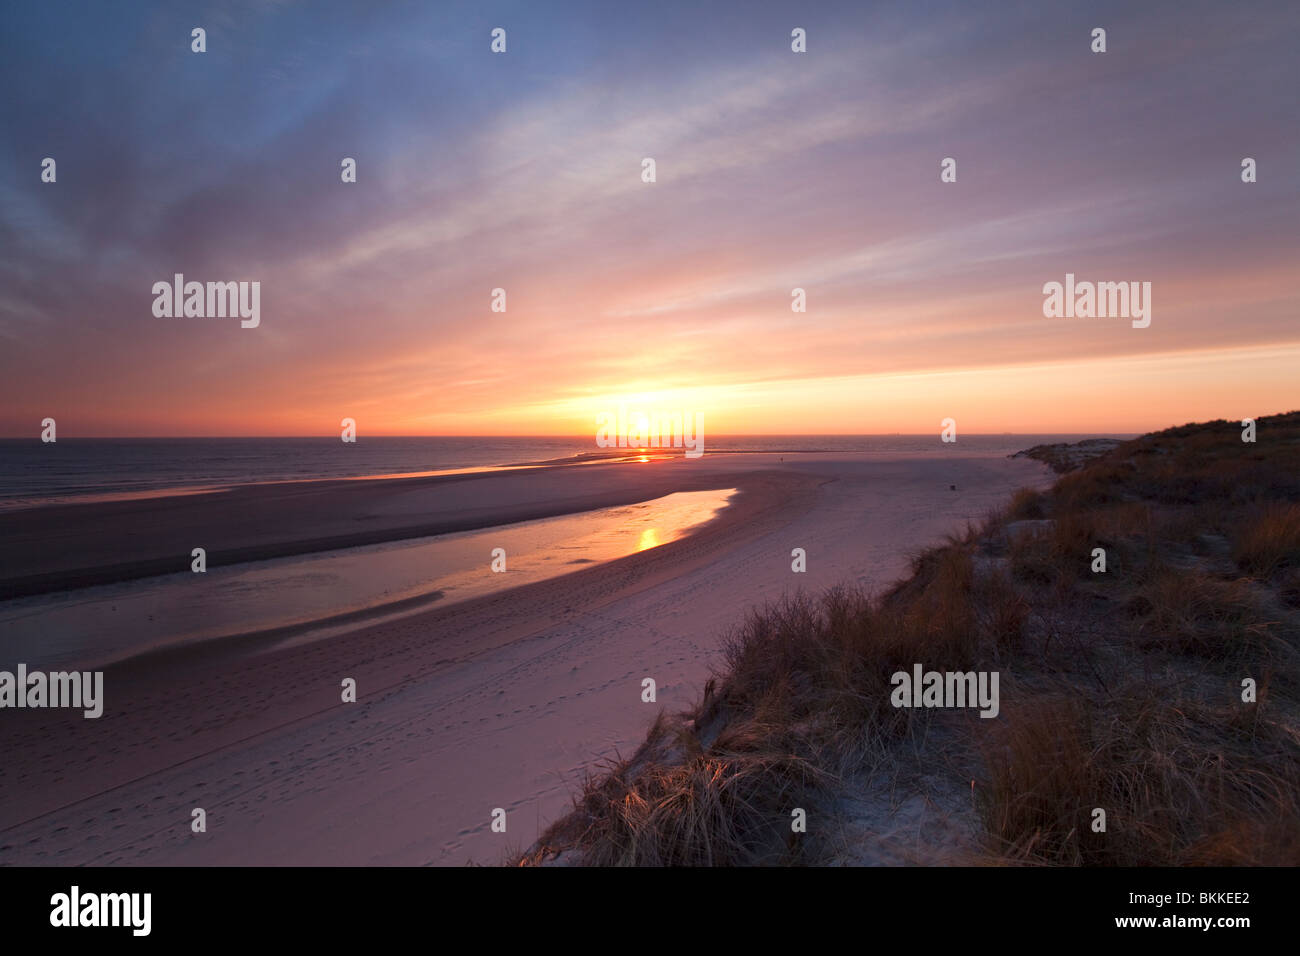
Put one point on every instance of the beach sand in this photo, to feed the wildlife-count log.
(503, 701)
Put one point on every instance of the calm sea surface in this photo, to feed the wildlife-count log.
(72, 469)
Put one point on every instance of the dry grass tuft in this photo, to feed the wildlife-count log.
(1180, 784)
(1269, 540)
(1191, 612)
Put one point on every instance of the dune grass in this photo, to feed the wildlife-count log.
(1124, 691)
(1269, 539)
(1179, 783)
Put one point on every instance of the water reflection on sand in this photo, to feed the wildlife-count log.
(306, 595)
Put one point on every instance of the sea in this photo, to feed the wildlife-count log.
(34, 473)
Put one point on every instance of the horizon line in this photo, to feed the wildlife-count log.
(583, 436)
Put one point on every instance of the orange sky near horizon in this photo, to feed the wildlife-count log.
(1096, 396)
(776, 171)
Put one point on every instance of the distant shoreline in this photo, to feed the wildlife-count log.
(58, 547)
(97, 470)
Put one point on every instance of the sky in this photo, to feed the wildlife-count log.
(522, 171)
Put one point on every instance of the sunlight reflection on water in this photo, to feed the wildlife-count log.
(100, 624)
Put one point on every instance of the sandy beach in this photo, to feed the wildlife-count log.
(500, 701)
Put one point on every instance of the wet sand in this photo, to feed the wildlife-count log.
(309, 596)
(63, 546)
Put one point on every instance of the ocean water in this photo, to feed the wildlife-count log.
(34, 473)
